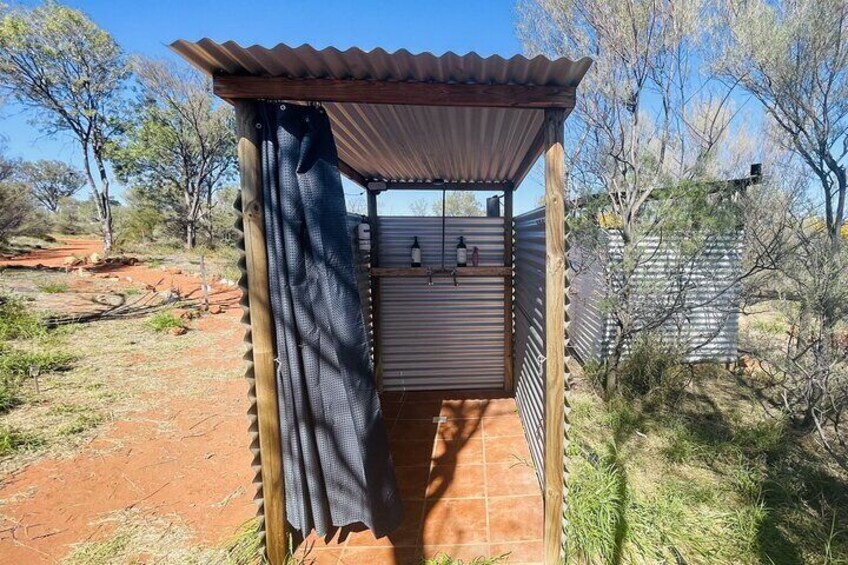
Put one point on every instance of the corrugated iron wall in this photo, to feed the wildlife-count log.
(529, 343)
(441, 336)
(708, 324)
(589, 330)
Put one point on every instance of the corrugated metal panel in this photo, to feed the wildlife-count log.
(441, 336)
(590, 325)
(398, 232)
(707, 326)
(355, 64)
(408, 143)
(250, 375)
(529, 343)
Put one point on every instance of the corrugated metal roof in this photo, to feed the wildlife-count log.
(409, 143)
(422, 143)
(305, 61)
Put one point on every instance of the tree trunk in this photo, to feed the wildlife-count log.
(191, 235)
(106, 223)
(101, 198)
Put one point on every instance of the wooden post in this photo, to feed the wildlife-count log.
(258, 304)
(555, 336)
(375, 288)
(509, 376)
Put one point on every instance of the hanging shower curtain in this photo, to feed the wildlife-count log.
(337, 466)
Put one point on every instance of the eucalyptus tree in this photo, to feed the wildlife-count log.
(50, 182)
(70, 73)
(181, 145)
(8, 165)
(792, 56)
(650, 118)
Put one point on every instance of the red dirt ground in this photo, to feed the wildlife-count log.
(186, 461)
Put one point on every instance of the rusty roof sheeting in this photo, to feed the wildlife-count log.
(305, 61)
(408, 143)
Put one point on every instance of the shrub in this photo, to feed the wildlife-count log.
(76, 217)
(16, 321)
(18, 212)
(652, 366)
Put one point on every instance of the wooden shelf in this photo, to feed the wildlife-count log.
(386, 272)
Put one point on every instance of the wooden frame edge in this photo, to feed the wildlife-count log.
(261, 335)
(556, 292)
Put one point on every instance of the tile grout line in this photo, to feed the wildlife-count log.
(427, 488)
(344, 546)
(486, 487)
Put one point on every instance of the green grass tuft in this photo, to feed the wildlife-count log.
(17, 363)
(53, 288)
(245, 546)
(163, 321)
(14, 441)
(104, 552)
(597, 502)
(709, 478)
(82, 423)
(17, 322)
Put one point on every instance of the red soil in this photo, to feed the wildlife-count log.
(186, 461)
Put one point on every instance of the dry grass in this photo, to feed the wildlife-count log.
(219, 262)
(19, 245)
(119, 368)
(138, 538)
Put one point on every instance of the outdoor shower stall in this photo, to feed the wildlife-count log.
(417, 122)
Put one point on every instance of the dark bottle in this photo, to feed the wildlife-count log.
(461, 253)
(416, 253)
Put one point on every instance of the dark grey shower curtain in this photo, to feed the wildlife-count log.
(338, 470)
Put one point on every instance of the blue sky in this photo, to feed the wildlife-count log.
(148, 26)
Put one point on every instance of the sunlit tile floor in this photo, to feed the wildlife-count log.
(469, 489)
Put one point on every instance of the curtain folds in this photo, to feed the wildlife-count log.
(337, 465)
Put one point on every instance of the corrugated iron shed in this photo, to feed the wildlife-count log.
(408, 140)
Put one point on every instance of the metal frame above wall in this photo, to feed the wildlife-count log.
(404, 121)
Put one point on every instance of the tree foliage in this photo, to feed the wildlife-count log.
(17, 208)
(793, 57)
(650, 120)
(50, 182)
(181, 145)
(55, 61)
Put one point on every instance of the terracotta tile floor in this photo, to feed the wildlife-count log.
(468, 487)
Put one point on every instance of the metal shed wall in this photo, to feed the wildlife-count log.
(441, 336)
(707, 327)
(529, 284)
(590, 328)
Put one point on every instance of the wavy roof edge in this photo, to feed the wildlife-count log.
(305, 61)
